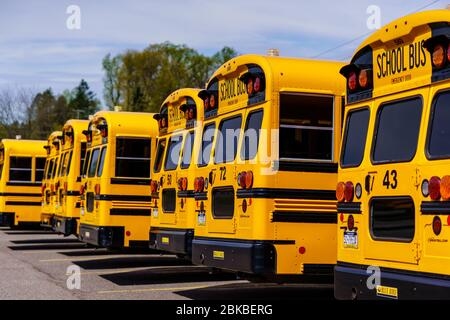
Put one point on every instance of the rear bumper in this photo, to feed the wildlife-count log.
(177, 241)
(47, 220)
(107, 237)
(350, 282)
(7, 219)
(247, 256)
(65, 226)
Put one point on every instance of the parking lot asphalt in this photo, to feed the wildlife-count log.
(38, 264)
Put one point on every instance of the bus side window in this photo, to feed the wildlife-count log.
(250, 142)
(101, 162)
(133, 157)
(226, 150)
(93, 163)
(82, 157)
(39, 173)
(187, 150)
(69, 162)
(49, 171)
(62, 164)
(20, 169)
(86, 163)
(306, 127)
(159, 155)
(207, 141)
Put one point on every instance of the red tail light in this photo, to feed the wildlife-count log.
(180, 187)
(196, 185)
(349, 191)
(242, 177)
(363, 78)
(82, 189)
(201, 184)
(184, 183)
(340, 188)
(248, 179)
(434, 188)
(350, 222)
(65, 186)
(57, 186)
(352, 81)
(437, 225)
(445, 187)
(97, 189)
(257, 85)
(43, 189)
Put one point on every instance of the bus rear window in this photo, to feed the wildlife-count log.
(397, 131)
(101, 162)
(86, 163)
(207, 142)
(355, 138)
(251, 135)
(133, 157)
(173, 152)
(439, 129)
(392, 219)
(93, 163)
(159, 155)
(39, 173)
(20, 169)
(306, 127)
(187, 150)
(227, 140)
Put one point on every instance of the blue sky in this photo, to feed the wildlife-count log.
(38, 51)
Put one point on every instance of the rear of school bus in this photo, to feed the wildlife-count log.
(267, 167)
(21, 170)
(115, 191)
(48, 192)
(68, 202)
(173, 218)
(393, 230)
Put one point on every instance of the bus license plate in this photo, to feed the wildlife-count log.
(350, 239)
(201, 219)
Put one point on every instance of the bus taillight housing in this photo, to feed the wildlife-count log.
(434, 188)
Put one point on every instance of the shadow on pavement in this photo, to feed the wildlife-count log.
(260, 291)
(167, 275)
(130, 262)
(56, 246)
(36, 241)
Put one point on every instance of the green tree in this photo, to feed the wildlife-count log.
(111, 93)
(82, 102)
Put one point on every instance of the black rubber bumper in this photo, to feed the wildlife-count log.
(247, 256)
(65, 226)
(350, 282)
(177, 241)
(48, 222)
(7, 219)
(106, 237)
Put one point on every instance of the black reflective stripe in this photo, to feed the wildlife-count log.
(272, 193)
(304, 217)
(354, 207)
(117, 197)
(200, 196)
(129, 212)
(24, 184)
(72, 193)
(435, 208)
(231, 240)
(186, 194)
(14, 194)
(143, 182)
(23, 203)
(306, 166)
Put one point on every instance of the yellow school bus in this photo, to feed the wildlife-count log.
(115, 191)
(73, 150)
(267, 167)
(21, 170)
(173, 218)
(49, 180)
(393, 189)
